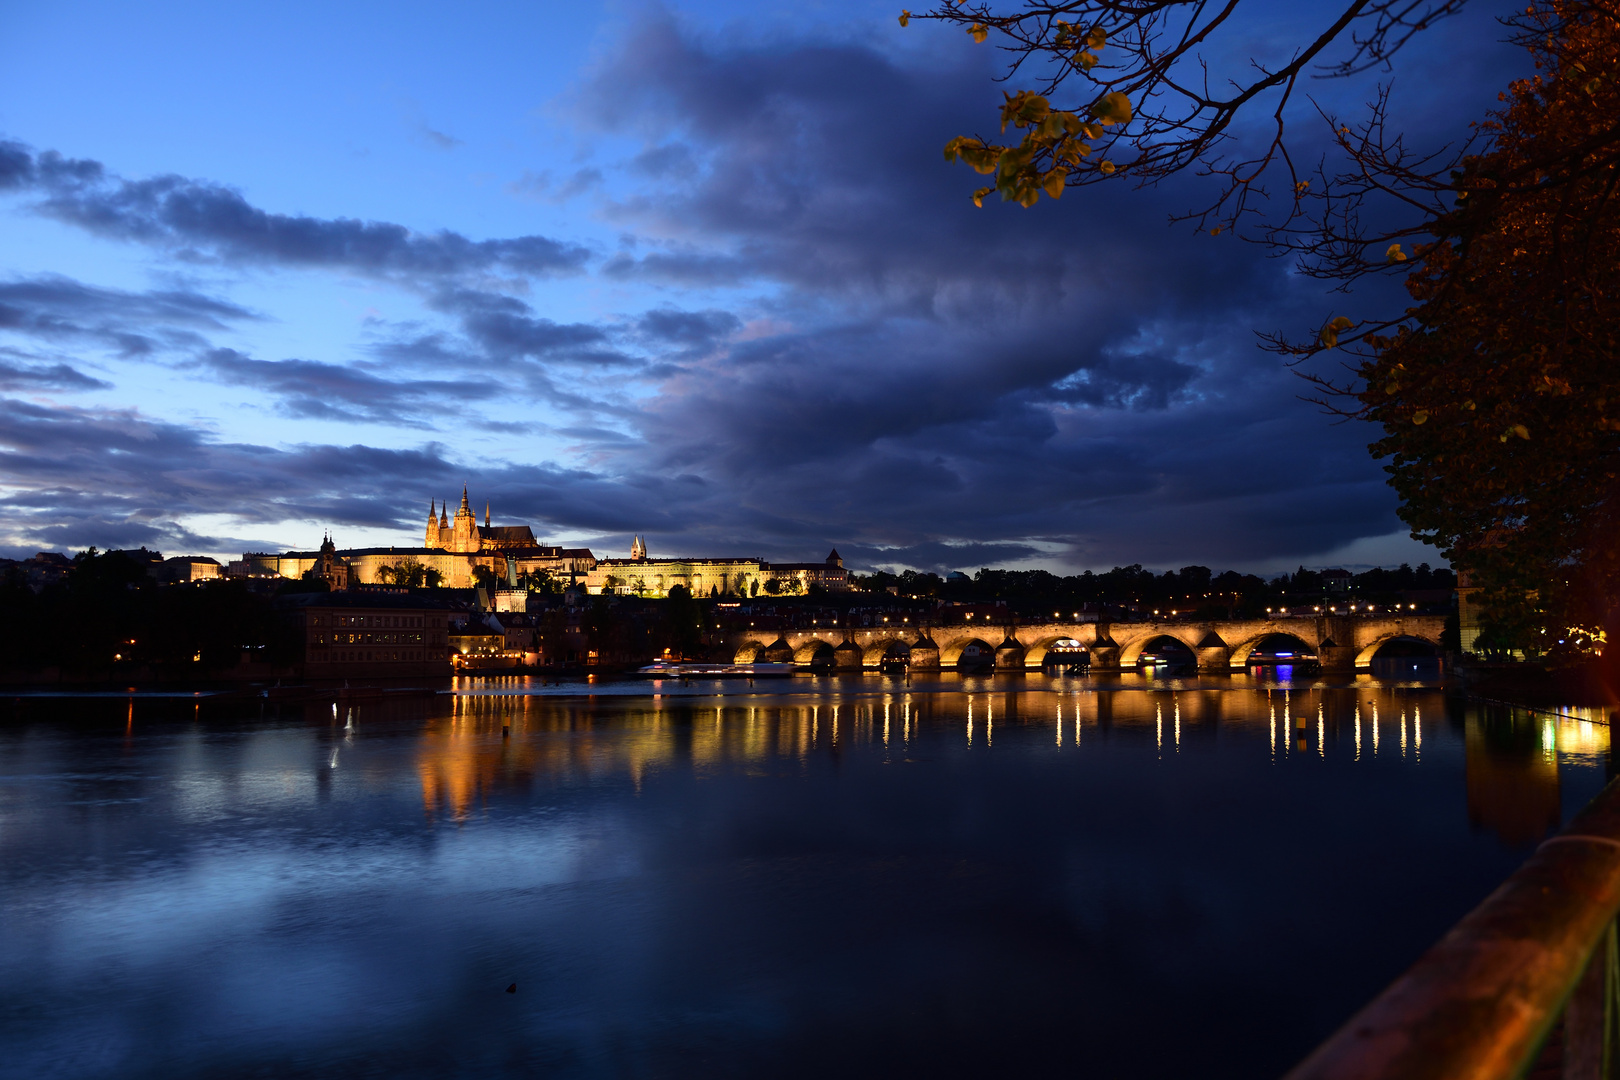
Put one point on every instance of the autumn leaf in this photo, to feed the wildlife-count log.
(1330, 333)
(1113, 108)
(1394, 254)
(978, 32)
(905, 18)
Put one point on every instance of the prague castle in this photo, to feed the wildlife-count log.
(454, 551)
(460, 553)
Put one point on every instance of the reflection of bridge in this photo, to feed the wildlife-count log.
(1340, 642)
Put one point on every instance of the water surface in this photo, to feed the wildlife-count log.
(959, 877)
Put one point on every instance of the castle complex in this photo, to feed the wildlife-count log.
(460, 553)
(453, 550)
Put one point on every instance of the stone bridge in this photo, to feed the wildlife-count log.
(1340, 642)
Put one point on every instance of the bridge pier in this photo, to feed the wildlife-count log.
(849, 657)
(1214, 658)
(1335, 650)
(924, 654)
(1104, 657)
(1010, 655)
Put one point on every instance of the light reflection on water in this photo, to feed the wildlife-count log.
(1127, 876)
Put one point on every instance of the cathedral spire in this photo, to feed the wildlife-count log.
(486, 515)
(465, 509)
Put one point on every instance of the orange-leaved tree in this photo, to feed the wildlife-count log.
(1498, 390)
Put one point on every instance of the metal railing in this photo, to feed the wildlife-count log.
(1527, 984)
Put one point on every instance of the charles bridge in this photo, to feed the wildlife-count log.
(1339, 642)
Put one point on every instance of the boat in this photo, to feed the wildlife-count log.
(671, 669)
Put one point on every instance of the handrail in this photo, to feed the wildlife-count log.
(1482, 1001)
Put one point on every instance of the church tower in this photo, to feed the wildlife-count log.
(638, 549)
(430, 538)
(464, 536)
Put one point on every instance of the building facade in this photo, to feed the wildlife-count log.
(359, 634)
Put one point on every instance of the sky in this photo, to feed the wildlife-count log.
(696, 272)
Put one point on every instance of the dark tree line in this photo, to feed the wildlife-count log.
(108, 613)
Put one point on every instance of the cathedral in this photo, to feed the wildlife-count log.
(464, 536)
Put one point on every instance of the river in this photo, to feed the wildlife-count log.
(958, 876)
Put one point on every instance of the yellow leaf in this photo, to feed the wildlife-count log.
(978, 31)
(1052, 183)
(978, 196)
(1114, 108)
(905, 17)
(1420, 417)
(1394, 253)
(1097, 38)
(1469, 404)
(1330, 332)
(1106, 167)
(1520, 430)
(1216, 231)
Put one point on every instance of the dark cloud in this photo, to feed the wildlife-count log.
(938, 378)
(204, 219)
(20, 372)
(673, 160)
(311, 389)
(687, 329)
(131, 323)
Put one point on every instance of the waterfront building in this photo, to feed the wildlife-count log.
(378, 634)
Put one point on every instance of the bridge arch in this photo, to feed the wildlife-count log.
(1365, 657)
(1130, 654)
(1272, 641)
(953, 655)
(1035, 654)
(748, 651)
(813, 651)
(887, 649)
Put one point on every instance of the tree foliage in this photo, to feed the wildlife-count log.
(1497, 390)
